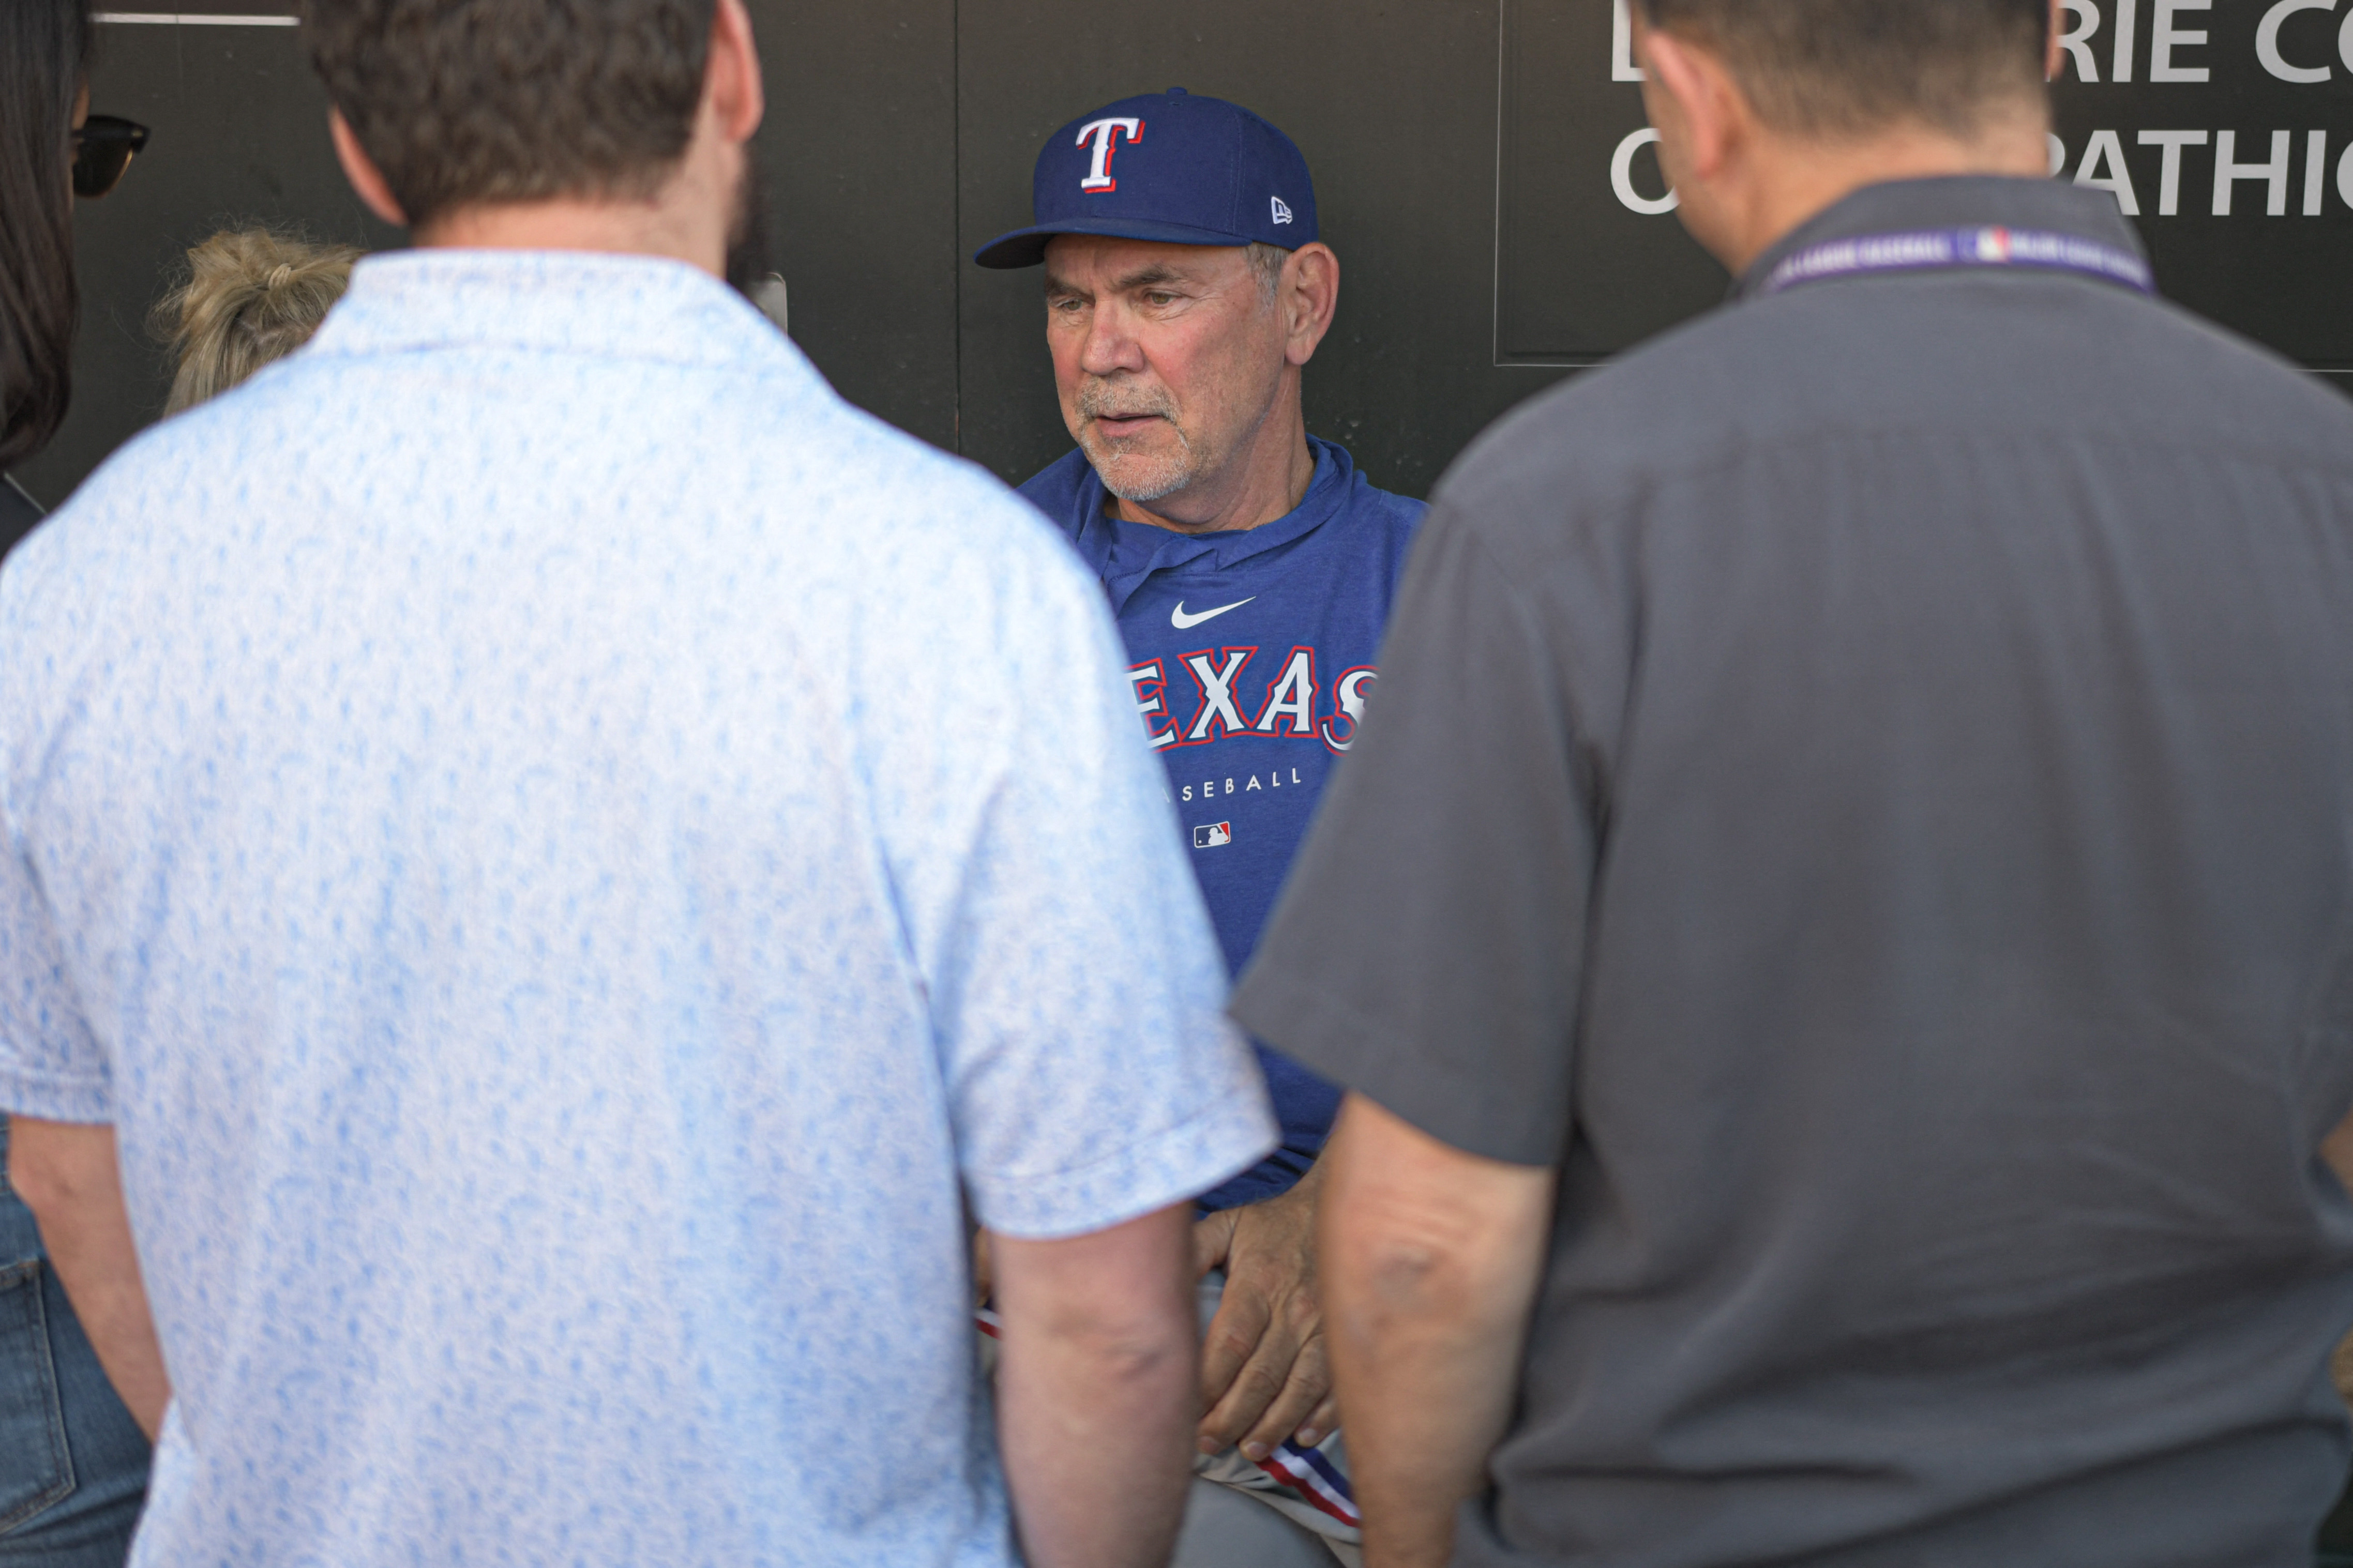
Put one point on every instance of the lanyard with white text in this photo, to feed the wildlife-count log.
(1926, 249)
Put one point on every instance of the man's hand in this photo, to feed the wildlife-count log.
(1265, 1375)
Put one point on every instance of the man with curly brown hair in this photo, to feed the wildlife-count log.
(480, 910)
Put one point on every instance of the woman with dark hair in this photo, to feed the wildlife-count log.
(73, 1464)
(51, 150)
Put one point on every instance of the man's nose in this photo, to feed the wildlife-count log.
(1110, 344)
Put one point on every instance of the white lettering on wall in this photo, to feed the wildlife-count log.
(2076, 41)
(2105, 167)
(1621, 177)
(2288, 45)
(2228, 172)
(2168, 179)
(2105, 151)
(2164, 37)
(2267, 43)
(1621, 45)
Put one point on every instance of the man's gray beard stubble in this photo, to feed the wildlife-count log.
(1135, 478)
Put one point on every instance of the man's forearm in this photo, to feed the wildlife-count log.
(1096, 1391)
(1431, 1259)
(68, 1177)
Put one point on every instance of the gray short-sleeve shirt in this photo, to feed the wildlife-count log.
(1865, 787)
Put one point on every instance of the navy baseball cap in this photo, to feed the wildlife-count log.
(1169, 167)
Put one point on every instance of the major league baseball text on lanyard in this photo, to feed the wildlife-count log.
(1930, 250)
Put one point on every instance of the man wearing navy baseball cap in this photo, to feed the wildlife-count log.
(1250, 567)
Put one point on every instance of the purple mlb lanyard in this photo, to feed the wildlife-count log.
(1925, 250)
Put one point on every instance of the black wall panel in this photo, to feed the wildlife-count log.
(858, 155)
(1479, 166)
(1579, 273)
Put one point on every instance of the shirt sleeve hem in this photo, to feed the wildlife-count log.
(1387, 1068)
(53, 1097)
(1178, 1164)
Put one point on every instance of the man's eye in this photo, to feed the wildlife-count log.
(1159, 297)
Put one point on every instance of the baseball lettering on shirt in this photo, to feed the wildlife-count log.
(1210, 787)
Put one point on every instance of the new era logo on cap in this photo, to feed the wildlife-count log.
(1171, 168)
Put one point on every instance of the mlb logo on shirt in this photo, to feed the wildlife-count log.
(1212, 834)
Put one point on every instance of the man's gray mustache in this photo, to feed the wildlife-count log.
(1105, 408)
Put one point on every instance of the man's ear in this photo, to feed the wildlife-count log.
(366, 179)
(1310, 297)
(1699, 109)
(731, 77)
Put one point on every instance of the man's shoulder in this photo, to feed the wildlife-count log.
(1368, 504)
(207, 501)
(2082, 362)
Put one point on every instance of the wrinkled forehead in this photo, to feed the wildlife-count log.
(1099, 263)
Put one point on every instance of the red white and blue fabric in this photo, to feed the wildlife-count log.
(1316, 1478)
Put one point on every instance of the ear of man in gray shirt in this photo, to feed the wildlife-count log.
(1865, 787)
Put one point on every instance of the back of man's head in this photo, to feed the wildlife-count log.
(466, 101)
(1848, 67)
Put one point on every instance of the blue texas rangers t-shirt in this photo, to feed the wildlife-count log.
(1252, 655)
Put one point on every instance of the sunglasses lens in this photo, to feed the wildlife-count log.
(99, 170)
(103, 149)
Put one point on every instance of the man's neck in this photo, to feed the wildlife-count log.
(1267, 480)
(657, 227)
(1796, 182)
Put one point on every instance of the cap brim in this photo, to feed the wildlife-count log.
(1027, 247)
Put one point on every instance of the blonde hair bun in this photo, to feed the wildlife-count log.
(252, 296)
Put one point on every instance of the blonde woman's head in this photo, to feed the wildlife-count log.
(251, 296)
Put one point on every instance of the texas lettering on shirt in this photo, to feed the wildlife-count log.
(1295, 705)
(1252, 656)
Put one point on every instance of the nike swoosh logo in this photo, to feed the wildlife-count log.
(1183, 622)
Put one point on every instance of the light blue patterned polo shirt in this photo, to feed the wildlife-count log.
(564, 850)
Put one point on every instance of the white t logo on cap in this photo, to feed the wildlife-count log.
(1281, 209)
(1105, 135)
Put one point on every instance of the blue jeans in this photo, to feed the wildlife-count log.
(73, 1465)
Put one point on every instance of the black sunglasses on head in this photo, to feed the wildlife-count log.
(104, 145)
